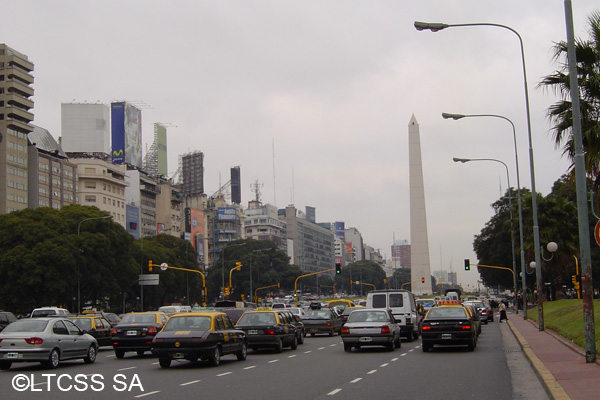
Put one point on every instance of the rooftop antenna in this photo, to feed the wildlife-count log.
(255, 187)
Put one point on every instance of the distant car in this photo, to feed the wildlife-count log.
(341, 303)
(448, 325)
(95, 325)
(482, 309)
(291, 318)
(49, 312)
(136, 331)
(322, 320)
(6, 317)
(370, 327)
(47, 340)
(268, 328)
(476, 315)
(299, 312)
(207, 335)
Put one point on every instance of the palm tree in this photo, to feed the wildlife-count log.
(560, 113)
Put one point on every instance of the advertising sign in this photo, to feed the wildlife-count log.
(132, 220)
(226, 214)
(117, 114)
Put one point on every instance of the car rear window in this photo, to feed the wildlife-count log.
(320, 314)
(200, 323)
(257, 318)
(368, 316)
(450, 312)
(379, 301)
(85, 324)
(26, 326)
(42, 313)
(139, 319)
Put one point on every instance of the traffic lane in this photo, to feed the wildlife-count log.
(444, 372)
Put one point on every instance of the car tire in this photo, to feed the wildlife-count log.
(164, 362)
(301, 338)
(243, 353)
(279, 346)
(390, 346)
(4, 365)
(53, 359)
(140, 353)
(409, 337)
(119, 353)
(294, 344)
(415, 335)
(471, 345)
(91, 355)
(347, 347)
(425, 347)
(215, 358)
(331, 333)
(398, 342)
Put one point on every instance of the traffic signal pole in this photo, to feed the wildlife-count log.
(304, 276)
(150, 266)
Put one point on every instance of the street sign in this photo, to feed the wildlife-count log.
(164, 266)
(148, 280)
(597, 232)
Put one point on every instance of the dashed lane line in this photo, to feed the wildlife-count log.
(273, 361)
(147, 394)
(189, 383)
(125, 369)
(225, 373)
(292, 356)
(334, 392)
(371, 372)
(355, 380)
(250, 367)
(384, 365)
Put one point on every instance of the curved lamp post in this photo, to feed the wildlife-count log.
(551, 247)
(434, 27)
(512, 236)
(78, 275)
(523, 266)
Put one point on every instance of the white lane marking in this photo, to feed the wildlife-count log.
(125, 369)
(384, 365)
(334, 392)
(331, 345)
(411, 350)
(355, 380)
(320, 348)
(189, 383)
(292, 356)
(309, 351)
(273, 361)
(250, 367)
(395, 359)
(371, 372)
(225, 373)
(402, 355)
(147, 394)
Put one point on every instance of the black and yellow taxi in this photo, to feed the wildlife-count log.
(95, 325)
(449, 323)
(135, 332)
(268, 328)
(205, 335)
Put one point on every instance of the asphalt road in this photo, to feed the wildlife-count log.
(318, 369)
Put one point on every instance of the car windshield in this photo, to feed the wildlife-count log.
(368, 316)
(26, 326)
(318, 314)
(257, 318)
(194, 323)
(85, 324)
(447, 312)
(139, 319)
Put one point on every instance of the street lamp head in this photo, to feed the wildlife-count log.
(453, 116)
(432, 26)
(552, 247)
(462, 160)
(532, 265)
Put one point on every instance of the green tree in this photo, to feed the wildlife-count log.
(362, 271)
(588, 76)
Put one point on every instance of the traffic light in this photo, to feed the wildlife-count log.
(227, 291)
(242, 296)
(338, 268)
(467, 264)
(150, 265)
(423, 279)
(238, 266)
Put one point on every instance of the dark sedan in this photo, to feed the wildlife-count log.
(322, 320)
(448, 325)
(136, 331)
(268, 328)
(204, 335)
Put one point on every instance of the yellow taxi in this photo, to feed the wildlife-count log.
(341, 304)
(95, 325)
(271, 328)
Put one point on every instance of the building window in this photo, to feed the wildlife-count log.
(90, 199)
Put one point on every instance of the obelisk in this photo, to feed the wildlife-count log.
(419, 244)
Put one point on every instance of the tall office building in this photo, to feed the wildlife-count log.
(192, 173)
(16, 81)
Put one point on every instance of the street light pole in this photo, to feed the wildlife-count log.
(78, 275)
(512, 236)
(434, 27)
(519, 198)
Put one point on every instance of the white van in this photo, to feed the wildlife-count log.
(403, 307)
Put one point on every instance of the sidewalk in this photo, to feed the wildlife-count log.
(560, 365)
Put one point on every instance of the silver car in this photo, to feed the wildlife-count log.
(371, 327)
(45, 340)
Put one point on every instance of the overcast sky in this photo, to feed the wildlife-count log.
(330, 86)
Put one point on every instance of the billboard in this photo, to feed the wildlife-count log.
(340, 227)
(226, 214)
(161, 148)
(236, 189)
(132, 220)
(195, 221)
(126, 128)
(311, 214)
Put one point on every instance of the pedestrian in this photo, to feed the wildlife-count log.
(502, 310)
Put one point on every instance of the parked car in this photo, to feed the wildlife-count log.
(448, 325)
(136, 331)
(207, 335)
(370, 327)
(6, 317)
(47, 340)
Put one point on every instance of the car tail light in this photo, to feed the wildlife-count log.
(425, 328)
(198, 340)
(385, 330)
(466, 327)
(269, 331)
(345, 330)
(34, 340)
(328, 323)
(113, 332)
(152, 330)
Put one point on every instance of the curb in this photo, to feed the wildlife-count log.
(553, 388)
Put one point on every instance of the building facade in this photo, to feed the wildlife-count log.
(262, 222)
